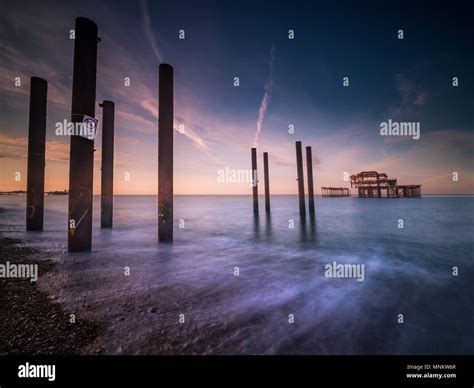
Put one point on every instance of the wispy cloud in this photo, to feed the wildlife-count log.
(182, 126)
(266, 99)
(198, 142)
(127, 139)
(13, 147)
(148, 30)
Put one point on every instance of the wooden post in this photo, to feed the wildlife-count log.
(107, 176)
(299, 168)
(309, 166)
(165, 154)
(36, 158)
(81, 164)
(254, 180)
(267, 182)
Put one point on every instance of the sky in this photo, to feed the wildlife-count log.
(282, 82)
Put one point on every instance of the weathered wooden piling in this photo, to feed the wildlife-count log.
(165, 153)
(299, 167)
(107, 176)
(254, 180)
(267, 182)
(36, 151)
(309, 166)
(81, 164)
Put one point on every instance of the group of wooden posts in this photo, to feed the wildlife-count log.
(81, 160)
(300, 179)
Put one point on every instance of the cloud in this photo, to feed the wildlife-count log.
(189, 130)
(197, 140)
(266, 99)
(135, 122)
(13, 147)
(148, 30)
(412, 96)
(136, 106)
(126, 139)
(16, 64)
(420, 99)
(150, 107)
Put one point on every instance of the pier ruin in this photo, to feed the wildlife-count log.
(371, 184)
(335, 192)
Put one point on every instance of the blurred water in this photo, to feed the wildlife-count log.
(407, 271)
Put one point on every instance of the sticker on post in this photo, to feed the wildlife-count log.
(90, 125)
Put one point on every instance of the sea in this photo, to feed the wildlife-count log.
(233, 282)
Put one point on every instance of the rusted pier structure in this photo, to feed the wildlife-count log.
(371, 184)
(165, 153)
(107, 176)
(335, 192)
(254, 180)
(81, 165)
(36, 158)
(267, 182)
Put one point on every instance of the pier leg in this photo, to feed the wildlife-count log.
(36, 158)
(254, 180)
(267, 182)
(299, 167)
(165, 154)
(81, 163)
(309, 166)
(107, 177)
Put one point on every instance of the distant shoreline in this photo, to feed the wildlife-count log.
(22, 192)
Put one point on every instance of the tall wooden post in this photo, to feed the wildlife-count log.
(81, 164)
(254, 180)
(107, 176)
(36, 158)
(267, 182)
(165, 153)
(309, 166)
(299, 168)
